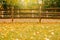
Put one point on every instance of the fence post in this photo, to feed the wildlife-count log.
(12, 11)
(40, 4)
(40, 14)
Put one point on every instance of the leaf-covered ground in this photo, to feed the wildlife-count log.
(29, 31)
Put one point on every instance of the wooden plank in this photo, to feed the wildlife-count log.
(52, 8)
(50, 12)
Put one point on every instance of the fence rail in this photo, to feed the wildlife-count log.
(29, 13)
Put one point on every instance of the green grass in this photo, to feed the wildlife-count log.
(29, 31)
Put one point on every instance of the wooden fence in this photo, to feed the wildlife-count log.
(48, 13)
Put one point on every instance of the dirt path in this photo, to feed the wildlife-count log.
(30, 20)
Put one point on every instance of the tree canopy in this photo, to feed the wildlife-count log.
(51, 3)
(32, 3)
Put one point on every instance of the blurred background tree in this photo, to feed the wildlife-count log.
(51, 3)
(21, 3)
(31, 3)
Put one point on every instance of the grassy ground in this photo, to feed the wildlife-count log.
(29, 31)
